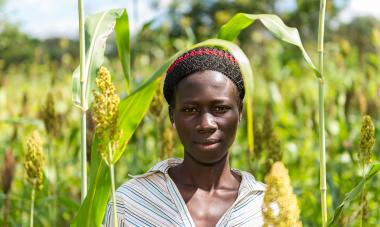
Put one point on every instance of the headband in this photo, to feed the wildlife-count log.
(200, 59)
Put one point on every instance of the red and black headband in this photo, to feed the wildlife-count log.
(200, 59)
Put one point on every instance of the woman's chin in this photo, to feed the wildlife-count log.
(207, 154)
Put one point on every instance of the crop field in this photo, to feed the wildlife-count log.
(77, 121)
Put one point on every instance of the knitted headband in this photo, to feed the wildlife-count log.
(200, 59)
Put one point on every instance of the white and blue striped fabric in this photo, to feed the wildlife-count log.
(152, 199)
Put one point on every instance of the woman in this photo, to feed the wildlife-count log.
(205, 91)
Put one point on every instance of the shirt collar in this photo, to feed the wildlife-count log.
(248, 182)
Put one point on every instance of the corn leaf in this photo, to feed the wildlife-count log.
(274, 24)
(98, 28)
(354, 193)
(131, 116)
(123, 46)
(93, 207)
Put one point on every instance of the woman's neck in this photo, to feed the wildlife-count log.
(207, 177)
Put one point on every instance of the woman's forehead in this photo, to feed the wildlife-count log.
(206, 85)
(207, 76)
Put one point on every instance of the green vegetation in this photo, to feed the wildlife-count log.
(283, 120)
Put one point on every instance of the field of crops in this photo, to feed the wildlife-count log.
(41, 128)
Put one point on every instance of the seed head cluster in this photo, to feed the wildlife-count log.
(105, 112)
(280, 207)
(367, 140)
(34, 160)
(50, 117)
(274, 153)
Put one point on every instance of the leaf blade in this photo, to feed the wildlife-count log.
(98, 28)
(274, 24)
(123, 46)
(92, 210)
(350, 196)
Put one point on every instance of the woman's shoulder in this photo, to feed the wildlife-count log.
(151, 181)
(249, 182)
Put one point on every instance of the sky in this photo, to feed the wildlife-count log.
(59, 18)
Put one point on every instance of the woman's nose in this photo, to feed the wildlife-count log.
(206, 123)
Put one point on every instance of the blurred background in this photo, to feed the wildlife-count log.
(39, 52)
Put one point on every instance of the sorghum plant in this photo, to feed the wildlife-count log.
(53, 129)
(280, 203)
(34, 161)
(321, 111)
(367, 141)
(50, 117)
(105, 118)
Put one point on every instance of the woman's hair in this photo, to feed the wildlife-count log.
(200, 59)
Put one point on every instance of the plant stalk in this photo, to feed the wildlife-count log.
(51, 187)
(83, 102)
(6, 209)
(363, 197)
(32, 204)
(112, 173)
(322, 141)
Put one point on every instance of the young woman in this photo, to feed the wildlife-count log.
(205, 91)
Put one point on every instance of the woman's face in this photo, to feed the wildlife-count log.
(206, 114)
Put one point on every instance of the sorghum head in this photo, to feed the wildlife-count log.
(280, 203)
(50, 117)
(34, 160)
(367, 140)
(105, 112)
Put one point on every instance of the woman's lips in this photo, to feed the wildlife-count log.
(207, 142)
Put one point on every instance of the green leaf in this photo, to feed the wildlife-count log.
(247, 73)
(94, 206)
(69, 203)
(98, 28)
(131, 112)
(123, 46)
(132, 109)
(274, 24)
(354, 193)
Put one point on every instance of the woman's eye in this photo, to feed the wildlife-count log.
(189, 110)
(221, 108)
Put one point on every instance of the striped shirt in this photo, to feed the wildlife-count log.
(153, 199)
